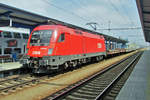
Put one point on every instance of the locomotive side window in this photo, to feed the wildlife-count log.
(7, 51)
(62, 37)
(77, 32)
(7, 34)
(25, 36)
(17, 35)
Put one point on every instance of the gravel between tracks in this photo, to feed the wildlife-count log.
(56, 83)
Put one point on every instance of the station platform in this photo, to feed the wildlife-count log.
(9, 66)
(137, 87)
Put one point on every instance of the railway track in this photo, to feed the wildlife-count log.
(102, 85)
(11, 84)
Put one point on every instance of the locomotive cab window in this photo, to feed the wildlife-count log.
(62, 37)
(41, 37)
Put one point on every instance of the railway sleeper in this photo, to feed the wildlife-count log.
(91, 90)
(95, 86)
(70, 97)
(91, 87)
(114, 91)
(99, 82)
(110, 98)
(87, 92)
(83, 96)
(113, 95)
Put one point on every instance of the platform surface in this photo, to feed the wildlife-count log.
(137, 87)
(9, 66)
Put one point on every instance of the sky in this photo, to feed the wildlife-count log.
(106, 13)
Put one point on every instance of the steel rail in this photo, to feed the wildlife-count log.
(113, 82)
(20, 82)
(78, 84)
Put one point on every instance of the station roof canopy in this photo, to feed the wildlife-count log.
(144, 12)
(22, 18)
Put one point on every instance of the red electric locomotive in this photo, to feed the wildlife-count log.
(53, 47)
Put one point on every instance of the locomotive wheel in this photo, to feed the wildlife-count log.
(101, 57)
(79, 63)
(84, 60)
(97, 59)
(75, 63)
(66, 65)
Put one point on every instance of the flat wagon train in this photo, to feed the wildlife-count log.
(12, 40)
(53, 47)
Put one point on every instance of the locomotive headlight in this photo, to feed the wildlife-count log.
(50, 51)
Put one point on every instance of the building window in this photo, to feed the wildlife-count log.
(25, 36)
(12, 43)
(7, 51)
(62, 37)
(24, 49)
(0, 51)
(7, 35)
(0, 34)
(17, 35)
(17, 50)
